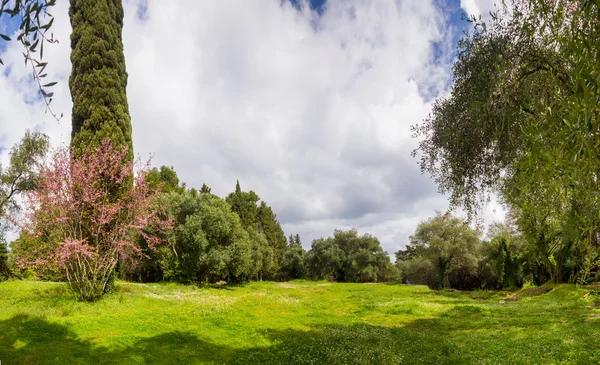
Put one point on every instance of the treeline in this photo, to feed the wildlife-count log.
(235, 239)
(239, 238)
(444, 252)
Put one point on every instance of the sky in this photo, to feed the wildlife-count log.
(307, 104)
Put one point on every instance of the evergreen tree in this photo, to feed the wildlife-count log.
(5, 272)
(261, 223)
(205, 189)
(244, 204)
(270, 227)
(98, 78)
(292, 265)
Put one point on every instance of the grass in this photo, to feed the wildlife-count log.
(296, 323)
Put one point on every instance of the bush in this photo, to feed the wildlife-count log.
(208, 242)
(86, 214)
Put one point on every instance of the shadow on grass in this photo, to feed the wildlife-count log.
(31, 340)
(453, 338)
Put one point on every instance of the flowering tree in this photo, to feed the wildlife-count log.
(86, 214)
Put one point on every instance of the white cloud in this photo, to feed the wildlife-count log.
(480, 7)
(311, 112)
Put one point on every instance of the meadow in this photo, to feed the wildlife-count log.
(298, 322)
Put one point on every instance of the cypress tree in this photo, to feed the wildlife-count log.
(98, 78)
(205, 189)
(5, 272)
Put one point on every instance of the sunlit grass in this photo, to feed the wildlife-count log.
(296, 323)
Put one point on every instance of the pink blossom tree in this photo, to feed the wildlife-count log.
(86, 215)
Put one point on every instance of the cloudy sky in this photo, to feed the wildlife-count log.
(308, 104)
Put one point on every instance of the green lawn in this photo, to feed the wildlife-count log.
(296, 323)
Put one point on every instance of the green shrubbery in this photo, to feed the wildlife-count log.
(348, 257)
(446, 253)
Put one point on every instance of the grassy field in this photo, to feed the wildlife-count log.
(296, 323)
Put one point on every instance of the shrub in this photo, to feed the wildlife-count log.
(86, 214)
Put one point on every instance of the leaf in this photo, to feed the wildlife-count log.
(47, 26)
(1, 63)
(50, 84)
(5, 37)
(32, 48)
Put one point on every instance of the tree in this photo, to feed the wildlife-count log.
(81, 228)
(269, 226)
(165, 180)
(98, 78)
(265, 231)
(22, 173)
(244, 204)
(5, 271)
(292, 265)
(522, 121)
(204, 189)
(451, 247)
(208, 242)
(21, 176)
(33, 29)
(348, 257)
(502, 77)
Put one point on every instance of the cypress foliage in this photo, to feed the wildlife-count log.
(98, 79)
(5, 272)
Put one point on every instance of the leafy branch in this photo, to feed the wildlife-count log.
(33, 29)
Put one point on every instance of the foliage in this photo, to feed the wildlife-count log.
(269, 226)
(450, 245)
(22, 173)
(205, 189)
(244, 204)
(5, 271)
(208, 242)
(525, 105)
(33, 29)
(261, 223)
(348, 257)
(165, 180)
(507, 251)
(295, 323)
(82, 228)
(20, 176)
(292, 265)
(98, 78)
(446, 253)
(502, 76)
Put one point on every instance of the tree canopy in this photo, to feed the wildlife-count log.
(522, 121)
(348, 257)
